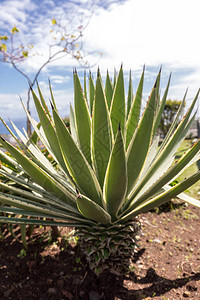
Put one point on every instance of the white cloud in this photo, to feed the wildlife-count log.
(59, 79)
(134, 32)
(10, 106)
(14, 13)
(151, 32)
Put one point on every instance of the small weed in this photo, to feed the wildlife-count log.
(78, 260)
(188, 215)
(132, 268)
(22, 253)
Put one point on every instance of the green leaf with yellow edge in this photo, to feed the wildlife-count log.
(82, 119)
(168, 151)
(164, 197)
(52, 97)
(39, 175)
(91, 92)
(78, 166)
(72, 124)
(108, 90)
(85, 85)
(43, 102)
(115, 78)
(168, 175)
(158, 91)
(161, 108)
(140, 143)
(115, 184)
(134, 114)
(49, 132)
(117, 110)
(130, 95)
(101, 132)
(92, 210)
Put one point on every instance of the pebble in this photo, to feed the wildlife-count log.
(191, 286)
(49, 281)
(157, 241)
(17, 264)
(51, 291)
(186, 294)
(94, 295)
(67, 294)
(60, 283)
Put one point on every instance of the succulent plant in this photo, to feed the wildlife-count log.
(106, 169)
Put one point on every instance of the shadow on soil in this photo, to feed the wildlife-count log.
(78, 281)
(110, 286)
(159, 285)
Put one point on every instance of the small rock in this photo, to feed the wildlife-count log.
(60, 283)
(31, 264)
(8, 292)
(17, 264)
(81, 294)
(49, 281)
(59, 240)
(51, 291)
(191, 286)
(186, 294)
(157, 241)
(67, 294)
(13, 258)
(94, 295)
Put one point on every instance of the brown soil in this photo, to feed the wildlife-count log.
(167, 265)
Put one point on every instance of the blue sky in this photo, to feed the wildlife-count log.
(135, 32)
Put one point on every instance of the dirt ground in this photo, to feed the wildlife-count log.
(167, 265)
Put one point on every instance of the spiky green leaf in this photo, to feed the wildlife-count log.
(101, 132)
(117, 110)
(108, 90)
(135, 110)
(130, 95)
(92, 210)
(79, 168)
(140, 143)
(91, 92)
(115, 184)
(82, 119)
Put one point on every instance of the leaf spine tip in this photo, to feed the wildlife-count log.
(119, 128)
(155, 84)
(2, 138)
(98, 72)
(51, 104)
(77, 193)
(30, 87)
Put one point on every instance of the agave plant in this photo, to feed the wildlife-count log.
(107, 168)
